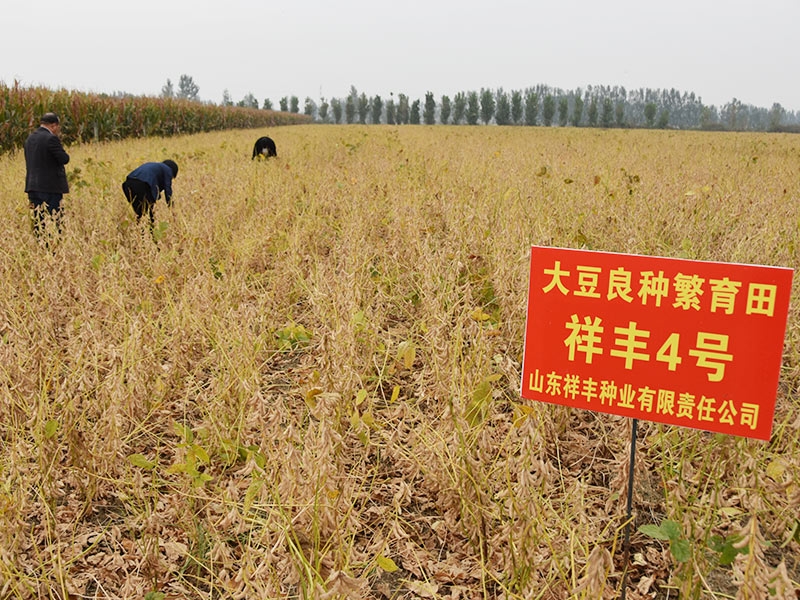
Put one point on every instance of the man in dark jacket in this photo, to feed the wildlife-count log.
(45, 177)
(144, 185)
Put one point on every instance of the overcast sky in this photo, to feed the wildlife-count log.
(719, 50)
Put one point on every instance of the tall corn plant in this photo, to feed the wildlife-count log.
(99, 117)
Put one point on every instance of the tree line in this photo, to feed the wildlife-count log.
(542, 105)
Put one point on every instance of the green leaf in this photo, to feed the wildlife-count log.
(359, 320)
(477, 407)
(259, 459)
(160, 230)
(200, 453)
(97, 261)
(183, 432)
(653, 531)
(776, 469)
(369, 420)
(252, 492)
(729, 554)
(671, 529)
(215, 269)
(291, 336)
(363, 436)
(716, 543)
(177, 468)
(200, 479)
(139, 460)
(51, 428)
(680, 550)
(387, 564)
(154, 596)
(726, 548)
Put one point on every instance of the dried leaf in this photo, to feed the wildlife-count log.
(406, 353)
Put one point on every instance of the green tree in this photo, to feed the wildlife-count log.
(377, 109)
(294, 104)
(390, 111)
(733, 115)
(531, 107)
(414, 117)
(429, 112)
(650, 110)
(487, 105)
(563, 111)
(249, 101)
(226, 98)
(363, 108)
(402, 109)
(548, 110)
(708, 117)
(351, 105)
(309, 107)
(663, 119)
(267, 104)
(446, 109)
(323, 110)
(336, 108)
(459, 108)
(619, 113)
(187, 88)
(284, 104)
(473, 108)
(592, 112)
(607, 116)
(577, 110)
(168, 91)
(516, 107)
(502, 115)
(776, 116)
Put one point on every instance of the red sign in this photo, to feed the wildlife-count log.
(682, 342)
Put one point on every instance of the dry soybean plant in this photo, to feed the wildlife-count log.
(305, 382)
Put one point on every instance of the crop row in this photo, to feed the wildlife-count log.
(100, 117)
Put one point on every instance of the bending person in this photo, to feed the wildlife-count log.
(144, 185)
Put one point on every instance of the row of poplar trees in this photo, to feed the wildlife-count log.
(594, 106)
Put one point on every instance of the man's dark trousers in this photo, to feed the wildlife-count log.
(141, 198)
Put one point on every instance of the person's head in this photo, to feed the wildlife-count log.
(50, 121)
(173, 167)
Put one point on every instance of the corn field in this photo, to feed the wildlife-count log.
(92, 117)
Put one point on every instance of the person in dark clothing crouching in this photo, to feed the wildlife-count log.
(144, 185)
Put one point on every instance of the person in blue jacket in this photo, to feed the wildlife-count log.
(45, 176)
(144, 185)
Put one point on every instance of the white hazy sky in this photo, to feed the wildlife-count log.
(719, 50)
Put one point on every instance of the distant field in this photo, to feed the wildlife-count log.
(308, 385)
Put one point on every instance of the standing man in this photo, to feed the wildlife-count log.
(45, 177)
(144, 184)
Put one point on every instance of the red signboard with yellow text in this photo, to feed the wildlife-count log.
(682, 342)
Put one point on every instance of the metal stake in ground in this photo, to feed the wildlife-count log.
(628, 515)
